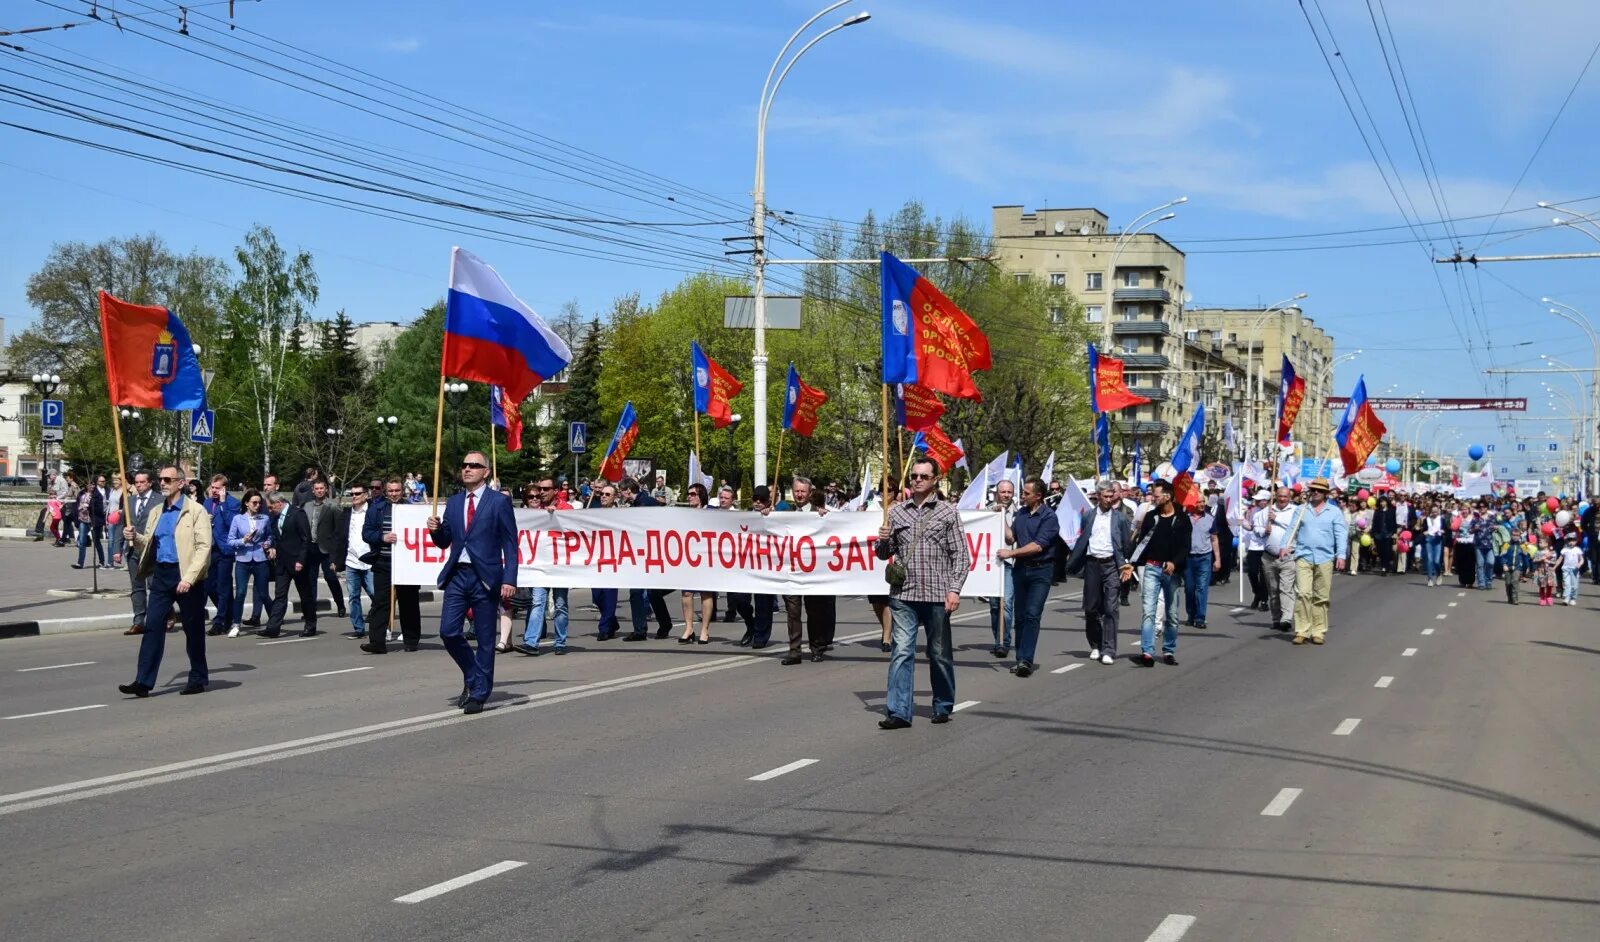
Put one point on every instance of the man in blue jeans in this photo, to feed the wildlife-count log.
(1035, 532)
(1204, 559)
(924, 535)
(1161, 551)
(556, 599)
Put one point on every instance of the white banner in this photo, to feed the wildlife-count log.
(678, 548)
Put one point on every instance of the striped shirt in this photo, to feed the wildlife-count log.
(929, 541)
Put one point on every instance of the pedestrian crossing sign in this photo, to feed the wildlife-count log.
(202, 426)
(577, 437)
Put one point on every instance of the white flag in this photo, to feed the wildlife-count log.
(696, 477)
(860, 501)
(1048, 475)
(1073, 503)
(993, 473)
(961, 462)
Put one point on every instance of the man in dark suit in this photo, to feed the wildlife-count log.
(322, 513)
(479, 529)
(642, 602)
(141, 502)
(1101, 553)
(222, 507)
(378, 531)
(290, 555)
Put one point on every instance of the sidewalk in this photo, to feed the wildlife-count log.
(28, 609)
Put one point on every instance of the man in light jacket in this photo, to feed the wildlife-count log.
(1101, 553)
(174, 552)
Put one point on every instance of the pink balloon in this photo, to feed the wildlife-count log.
(1363, 494)
(1548, 528)
(1405, 535)
(1553, 504)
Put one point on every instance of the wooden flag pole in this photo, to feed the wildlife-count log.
(698, 458)
(438, 443)
(900, 439)
(777, 479)
(122, 469)
(886, 419)
(494, 458)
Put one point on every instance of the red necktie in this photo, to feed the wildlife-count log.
(472, 507)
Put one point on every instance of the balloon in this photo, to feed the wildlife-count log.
(1361, 523)
(1372, 502)
(1547, 528)
(1366, 539)
(1372, 460)
(1475, 452)
(1405, 535)
(1455, 522)
(1563, 518)
(1530, 548)
(1552, 504)
(1583, 506)
(1363, 494)
(1392, 466)
(1298, 487)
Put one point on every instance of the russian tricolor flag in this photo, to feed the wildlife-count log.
(490, 336)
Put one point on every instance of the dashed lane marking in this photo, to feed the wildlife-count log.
(54, 667)
(466, 879)
(1346, 728)
(1172, 928)
(783, 770)
(1384, 682)
(1281, 802)
(29, 716)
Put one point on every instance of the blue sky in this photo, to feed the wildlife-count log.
(959, 105)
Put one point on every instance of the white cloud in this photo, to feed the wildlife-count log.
(404, 46)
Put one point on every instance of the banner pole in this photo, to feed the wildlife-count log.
(777, 479)
(494, 458)
(438, 442)
(122, 470)
(885, 495)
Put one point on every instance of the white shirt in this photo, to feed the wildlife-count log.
(1282, 523)
(357, 546)
(1435, 525)
(1253, 536)
(1100, 534)
(477, 504)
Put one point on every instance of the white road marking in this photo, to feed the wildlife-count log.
(1172, 928)
(964, 704)
(466, 879)
(1427, 631)
(29, 716)
(956, 618)
(1237, 609)
(54, 667)
(1069, 667)
(1278, 805)
(783, 770)
(1441, 616)
(1461, 595)
(1346, 728)
(1384, 682)
(286, 641)
(347, 670)
(1453, 604)
(207, 765)
(1409, 652)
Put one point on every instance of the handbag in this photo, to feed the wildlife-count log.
(895, 573)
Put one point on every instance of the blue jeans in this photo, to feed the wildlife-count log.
(1011, 611)
(606, 601)
(241, 581)
(461, 592)
(219, 588)
(556, 599)
(1569, 583)
(1485, 567)
(88, 533)
(356, 580)
(1156, 585)
(1033, 590)
(191, 606)
(902, 663)
(1432, 556)
(1197, 586)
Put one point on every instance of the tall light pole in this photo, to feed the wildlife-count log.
(1591, 431)
(1412, 434)
(386, 425)
(45, 384)
(1324, 382)
(769, 91)
(456, 394)
(1134, 227)
(1253, 430)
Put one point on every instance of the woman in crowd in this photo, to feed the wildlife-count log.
(1383, 529)
(249, 536)
(698, 498)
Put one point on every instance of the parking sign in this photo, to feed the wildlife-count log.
(52, 412)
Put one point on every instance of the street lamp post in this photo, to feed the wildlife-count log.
(1324, 383)
(457, 394)
(386, 425)
(1135, 227)
(733, 450)
(1591, 432)
(333, 448)
(1253, 431)
(769, 91)
(45, 384)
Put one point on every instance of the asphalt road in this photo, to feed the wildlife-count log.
(1257, 791)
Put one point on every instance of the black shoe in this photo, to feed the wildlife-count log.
(250, 623)
(941, 718)
(134, 690)
(341, 613)
(1124, 603)
(1200, 625)
(893, 722)
(605, 637)
(214, 631)
(270, 634)
(1170, 660)
(1023, 670)
(1005, 652)
(758, 645)
(886, 647)
(816, 657)
(663, 633)
(637, 636)
(791, 660)
(374, 647)
(77, 565)
(191, 690)
(308, 633)
(559, 651)
(1145, 660)
(744, 642)
(529, 650)
(705, 640)
(472, 707)
(997, 652)
(413, 647)
(462, 698)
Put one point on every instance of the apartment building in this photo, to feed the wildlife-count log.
(1259, 338)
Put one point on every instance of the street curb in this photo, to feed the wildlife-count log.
(120, 622)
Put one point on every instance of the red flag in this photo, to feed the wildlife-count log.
(940, 448)
(506, 413)
(1185, 493)
(802, 402)
(919, 408)
(1359, 430)
(927, 340)
(1108, 391)
(713, 387)
(1291, 393)
(150, 362)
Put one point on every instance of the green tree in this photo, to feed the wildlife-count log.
(581, 401)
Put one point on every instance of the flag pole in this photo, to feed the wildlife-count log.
(122, 467)
(438, 442)
(494, 458)
(885, 454)
(777, 479)
(900, 439)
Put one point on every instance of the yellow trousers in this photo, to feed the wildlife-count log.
(1312, 582)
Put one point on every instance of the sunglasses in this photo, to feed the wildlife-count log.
(167, 480)
(918, 476)
(547, 487)
(472, 464)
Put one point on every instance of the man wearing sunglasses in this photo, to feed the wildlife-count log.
(174, 551)
(548, 497)
(479, 529)
(925, 536)
(603, 496)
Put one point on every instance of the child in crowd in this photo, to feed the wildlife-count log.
(1544, 572)
(1571, 564)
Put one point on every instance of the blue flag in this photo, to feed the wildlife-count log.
(1102, 441)
(1136, 480)
(1187, 454)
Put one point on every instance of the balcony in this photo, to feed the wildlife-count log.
(1140, 328)
(1145, 361)
(1152, 393)
(1146, 428)
(1142, 294)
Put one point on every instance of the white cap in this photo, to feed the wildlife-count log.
(1263, 494)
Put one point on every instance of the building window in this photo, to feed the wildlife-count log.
(1193, 336)
(1055, 315)
(1022, 278)
(1131, 312)
(1092, 313)
(1058, 279)
(1233, 338)
(1227, 380)
(1130, 279)
(1093, 283)
(1130, 345)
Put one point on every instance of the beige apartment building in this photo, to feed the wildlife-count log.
(1133, 289)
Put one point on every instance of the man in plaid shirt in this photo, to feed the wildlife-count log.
(925, 534)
